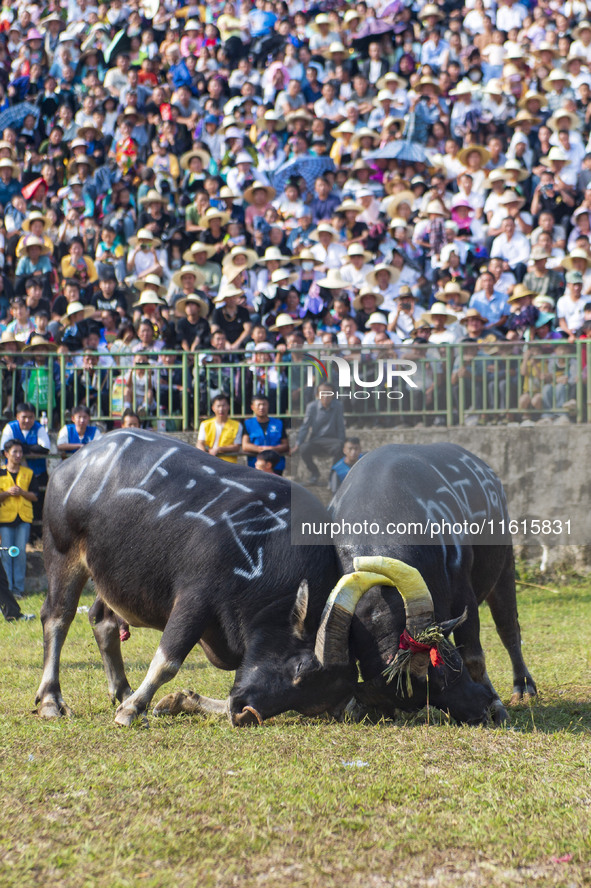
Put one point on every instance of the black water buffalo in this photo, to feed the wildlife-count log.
(413, 496)
(200, 549)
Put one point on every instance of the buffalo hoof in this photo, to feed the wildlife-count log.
(126, 717)
(523, 695)
(53, 709)
(248, 718)
(498, 714)
(172, 704)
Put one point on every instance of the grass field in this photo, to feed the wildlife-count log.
(298, 802)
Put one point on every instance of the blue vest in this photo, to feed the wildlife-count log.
(74, 437)
(269, 437)
(38, 465)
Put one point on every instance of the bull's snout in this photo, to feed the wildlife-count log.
(247, 718)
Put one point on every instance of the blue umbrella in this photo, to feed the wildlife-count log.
(401, 149)
(309, 167)
(15, 115)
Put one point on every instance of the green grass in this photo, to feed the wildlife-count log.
(299, 801)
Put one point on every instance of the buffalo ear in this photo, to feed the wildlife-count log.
(449, 625)
(300, 609)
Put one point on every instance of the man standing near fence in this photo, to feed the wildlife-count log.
(322, 432)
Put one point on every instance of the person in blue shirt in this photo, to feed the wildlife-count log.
(78, 433)
(263, 432)
(36, 445)
(351, 454)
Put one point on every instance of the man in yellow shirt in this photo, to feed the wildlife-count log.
(220, 436)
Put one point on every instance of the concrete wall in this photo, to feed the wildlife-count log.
(546, 472)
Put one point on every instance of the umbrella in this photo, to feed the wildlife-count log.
(308, 166)
(15, 115)
(368, 32)
(120, 43)
(401, 149)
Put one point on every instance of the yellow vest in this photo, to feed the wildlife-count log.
(16, 505)
(227, 437)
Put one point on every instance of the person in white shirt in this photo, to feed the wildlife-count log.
(357, 267)
(570, 307)
(329, 107)
(403, 319)
(512, 247)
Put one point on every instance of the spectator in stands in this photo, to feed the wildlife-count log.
(220, 436)
(263, 432)
(78, 433)
(351, 454)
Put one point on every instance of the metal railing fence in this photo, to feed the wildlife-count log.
(173, 390)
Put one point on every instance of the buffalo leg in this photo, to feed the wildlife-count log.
(503, 607)
(66, 578)
(180, 636)
(105, 627)
(467, 640)
(192, 704)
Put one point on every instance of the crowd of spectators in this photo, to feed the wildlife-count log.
(246, 182)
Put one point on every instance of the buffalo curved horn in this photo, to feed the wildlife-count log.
(332, 638)
(418, 604)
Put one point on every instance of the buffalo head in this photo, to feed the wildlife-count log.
(425, 668)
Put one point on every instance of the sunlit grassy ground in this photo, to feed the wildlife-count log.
(298, 802)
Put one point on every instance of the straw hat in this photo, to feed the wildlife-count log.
(436, 206)
(376, 317)
(39, 342)
(349, 205)
(555, 76)
(452, 290)
(335, 46)
(391, 77)
(270, 117)
(400, 197)
(74, 308)
(196, 300)
(7, 337)
(149, 297)
(81, 160)
(333, 280)
(538, 254)
(199, 247)
(511, 197)
(430, 9)
(556, 155)
(524, 116)
(357, 250)
(464, 88)
(188, 156)
(227, 292)
(188, 269)
(582, 26)
(152, 281)
(561, 114)
(515, 169)
(153, 196)
(213, 213)
(344, 128)
(568, 261)
(31, 240)
(367, 291)
(479, 149)
(471, 314)
(440, 308)
(284, 320)
(249, 192)
(519, 291)
(362, 133)
(227, 193)
(281, 277)
(428, 81)
(326, 228)
(530, 96)
(306, 255)
(145, 236)
(544, 47)
(274, 254)
(250, 255)
(128, 113)
(36, 215)
(371, 278)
